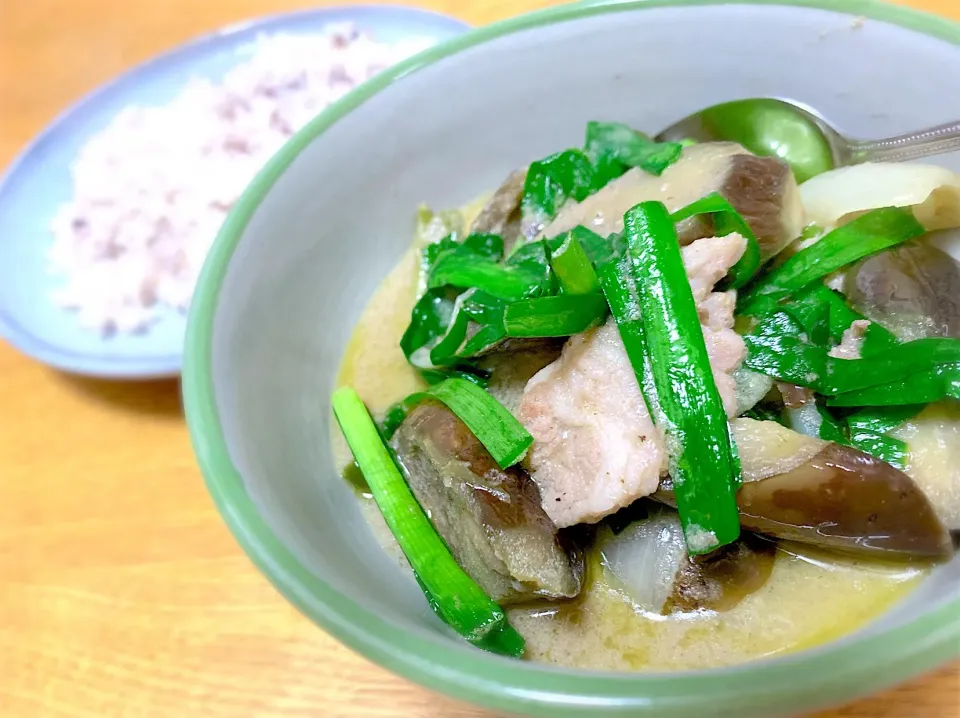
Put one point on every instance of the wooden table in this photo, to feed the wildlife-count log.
(121, 591)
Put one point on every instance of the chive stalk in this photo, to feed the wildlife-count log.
(864, 236)
(668, 335)
(469, 272)
(560, 316)
(573, 268)
(455, 597)
(495, 427)
(907, 359)
(940, 382)
(727, 220)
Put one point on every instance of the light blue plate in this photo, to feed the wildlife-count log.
(38, 182)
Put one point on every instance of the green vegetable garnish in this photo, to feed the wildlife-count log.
(779, 347)
(726, 220)
(439, 233)
(479, 246)
(455, 597)
(475, 264)
(882, 419)
(598, 249)
(437, 308)
(610, 150)
(428, 322)
(397, 413)
(573, 268)
(809, 301)
(914, 372)
(495, 427)
(473, 374)
(941, 382)
(476, 327)
(466, 272)
(885, 448)
(866, 235)
(867, 429)
(560, 316)
(614, 147)
(555, 179)
(909, 358)
(687, 405)
(617, 280)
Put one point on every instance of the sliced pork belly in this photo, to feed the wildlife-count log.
(596, 448)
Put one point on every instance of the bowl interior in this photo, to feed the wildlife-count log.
(327, 220)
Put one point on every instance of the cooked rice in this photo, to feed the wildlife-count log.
(152, 189)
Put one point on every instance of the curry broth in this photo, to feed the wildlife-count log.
(806, 601)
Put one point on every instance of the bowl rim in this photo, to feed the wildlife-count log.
(841, 670)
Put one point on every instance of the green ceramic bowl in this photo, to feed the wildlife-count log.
(328, 217)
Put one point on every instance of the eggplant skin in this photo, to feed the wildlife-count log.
(764, 192)
(490, 518)
(720, 580)
(843, 500)
(846, 500)
(501, 214)
(913, 290)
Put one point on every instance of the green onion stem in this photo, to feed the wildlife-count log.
(864, 236)
(455, 597)
(560, 316)
(704, 468)
(573, 268)
(495, 427)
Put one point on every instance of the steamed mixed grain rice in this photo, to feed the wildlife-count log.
(152, 189)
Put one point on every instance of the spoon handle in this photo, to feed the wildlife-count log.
(933, 141)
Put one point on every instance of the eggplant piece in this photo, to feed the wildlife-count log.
(720, 580)
(648, 559)
(913, 290)
(501, 214)
(849, 501)
(762, 189)
(490, 518)
(840, 498)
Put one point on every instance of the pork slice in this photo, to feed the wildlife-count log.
(596, 448)
(707, 261)
(852, 340)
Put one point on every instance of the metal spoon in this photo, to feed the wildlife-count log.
(804, 139)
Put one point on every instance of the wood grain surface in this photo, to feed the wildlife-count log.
(121, 591)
